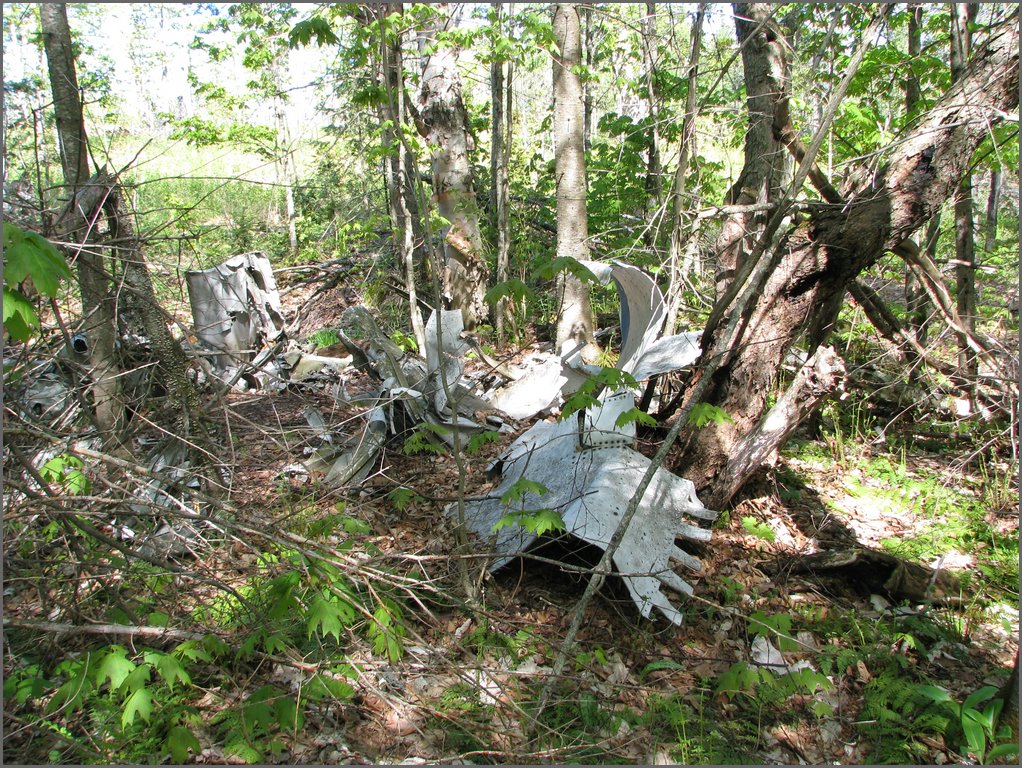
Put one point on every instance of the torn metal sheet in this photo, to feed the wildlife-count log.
(445, 359)
(541, 383)
(236, 307)
(303, 365)
(549, 378)
(449, 399)
(343, 461)
(46, 396)
(602, 427)
(447, 383)
(642, 308)
(670, 353)
(171, 470)
(589, 466)
(590, 474)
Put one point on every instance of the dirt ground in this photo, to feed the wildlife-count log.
(627, 662)
(466, 684)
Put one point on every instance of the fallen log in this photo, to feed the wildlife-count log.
(881, 572)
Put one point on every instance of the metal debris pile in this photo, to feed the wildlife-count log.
(587, 469)
(584, 469)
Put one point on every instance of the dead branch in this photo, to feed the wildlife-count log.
(154, 633)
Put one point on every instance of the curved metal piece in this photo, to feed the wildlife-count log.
(589, 480)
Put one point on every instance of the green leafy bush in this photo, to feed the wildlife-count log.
(28, 256)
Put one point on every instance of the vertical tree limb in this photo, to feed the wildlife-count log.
(78, 224)
(681, 235)
(575, 320)
(963, 15)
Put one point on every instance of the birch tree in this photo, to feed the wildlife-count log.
(445, 126)
(575, 316)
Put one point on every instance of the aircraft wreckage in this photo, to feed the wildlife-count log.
(585, 468)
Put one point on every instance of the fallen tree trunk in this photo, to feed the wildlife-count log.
(874, 571)
(812, 265)
(820, 377)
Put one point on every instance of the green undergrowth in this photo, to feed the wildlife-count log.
(874, 673)
(153, 701)
(693, 735)
(964, 504)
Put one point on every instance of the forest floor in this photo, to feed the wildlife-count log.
(853, 656)
(643, 691)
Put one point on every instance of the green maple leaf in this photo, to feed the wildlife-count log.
(20, 319)
(326, 687)
(138, 678)
(544, 520)
(139, 703)
(27, 254)
(703, 413)
(115, 666)
(191, 650)
(170, 668)
(326, 615)
(179, 741)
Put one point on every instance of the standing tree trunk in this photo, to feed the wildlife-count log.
(765, 65)
(446, 123)
(575, 320)
(681, 233)
(915, 294)
(286, 169)
(500, 152)
(809, 270)
(92, 199)
(589, 47)
(139, 298)
(654, 168)
(993, 205)
(393, 113)
(962, 15)
(98, 300)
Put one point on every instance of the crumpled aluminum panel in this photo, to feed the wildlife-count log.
(642, 308)
(235, 306)
(670, 353)
(591, 487)
(590, 468)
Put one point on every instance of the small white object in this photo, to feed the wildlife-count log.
(765, 654)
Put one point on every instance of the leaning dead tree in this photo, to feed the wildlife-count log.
(116, 290)
(793, 285)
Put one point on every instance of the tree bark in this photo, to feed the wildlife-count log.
(67, 101)
(962, 15)
(98, 300)
(500, 152)
(915, 296)
(286, 169)
(140, 298)
(817, 258)
(92, 199)
(589, 47)
(397, 165)
(654, 168)
(575, 320)
(817, 380)
(446, 122)
(681, 234)
(993, 207)
(767, 85)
